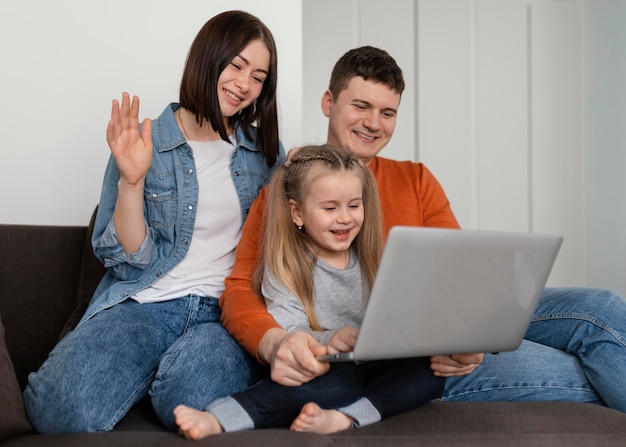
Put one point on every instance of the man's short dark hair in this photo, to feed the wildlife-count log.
(370, 63)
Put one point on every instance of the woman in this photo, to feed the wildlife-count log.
(175, 195)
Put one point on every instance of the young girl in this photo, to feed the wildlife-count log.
(323, 239)
(175, 195)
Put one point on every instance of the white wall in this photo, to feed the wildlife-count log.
(499, 109)
(605, 85)
(62, 62)
(517, 106)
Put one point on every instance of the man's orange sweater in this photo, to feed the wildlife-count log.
(409, 195)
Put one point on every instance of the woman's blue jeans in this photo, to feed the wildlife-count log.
(574, 351)
(177, 351)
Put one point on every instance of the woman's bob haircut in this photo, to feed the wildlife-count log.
(218, 42)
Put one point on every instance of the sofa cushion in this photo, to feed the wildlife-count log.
(553, 423)
(91, 273)
(39, 270)
(13, 420)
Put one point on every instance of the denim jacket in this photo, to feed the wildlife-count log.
(170, 199)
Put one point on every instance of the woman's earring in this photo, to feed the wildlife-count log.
(299, 227)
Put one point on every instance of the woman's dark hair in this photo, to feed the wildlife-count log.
(219, 41)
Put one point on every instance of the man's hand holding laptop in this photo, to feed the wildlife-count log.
(455, 365)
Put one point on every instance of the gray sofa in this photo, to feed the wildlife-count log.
(47, 275)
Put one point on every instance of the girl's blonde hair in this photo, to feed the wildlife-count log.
(288, 253)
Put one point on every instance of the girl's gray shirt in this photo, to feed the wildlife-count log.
(340, 297)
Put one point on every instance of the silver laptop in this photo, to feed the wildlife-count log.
(441, 291)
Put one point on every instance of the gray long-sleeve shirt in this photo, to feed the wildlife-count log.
(340, 297)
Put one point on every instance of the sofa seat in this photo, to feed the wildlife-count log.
(47, 276)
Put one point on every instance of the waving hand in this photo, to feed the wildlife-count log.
(133, 155)
(132, 152)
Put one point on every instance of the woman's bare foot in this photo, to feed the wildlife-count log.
(195, 424)
(315, 419)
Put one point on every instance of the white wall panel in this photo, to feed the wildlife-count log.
(499, 106)
(557, 170)
(502, 102)
(445, 100)
(605, 137)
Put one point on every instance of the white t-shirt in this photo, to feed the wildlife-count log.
(216, 232)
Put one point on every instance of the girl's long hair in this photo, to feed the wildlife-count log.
(289, 253)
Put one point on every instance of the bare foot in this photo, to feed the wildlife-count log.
(315, 419)
(195, 424)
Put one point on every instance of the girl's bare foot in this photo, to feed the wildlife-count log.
(315, 419)
(195, 424)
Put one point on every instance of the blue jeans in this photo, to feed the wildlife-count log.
(177, 351)
(574, 351)
(591, 325)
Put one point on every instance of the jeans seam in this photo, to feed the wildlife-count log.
(516, 387)
(127, 405)
(196, 302)
(181, 341)
(583, 317)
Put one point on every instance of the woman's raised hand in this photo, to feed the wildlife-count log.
(132, 152)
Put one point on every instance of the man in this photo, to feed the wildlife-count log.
(575, 347)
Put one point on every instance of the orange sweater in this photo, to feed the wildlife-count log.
(409, 194)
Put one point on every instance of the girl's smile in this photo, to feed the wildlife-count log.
(331, 213)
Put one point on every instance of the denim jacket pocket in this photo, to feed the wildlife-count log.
(161, 205)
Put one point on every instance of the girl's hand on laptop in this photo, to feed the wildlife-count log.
(455, 365)
(343, 340)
